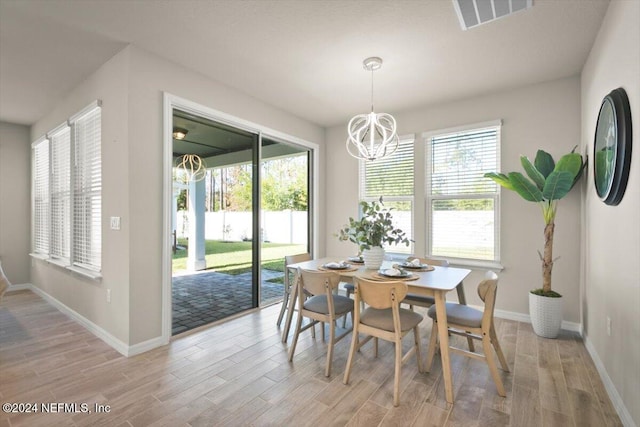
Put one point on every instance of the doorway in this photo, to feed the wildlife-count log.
(234, 219)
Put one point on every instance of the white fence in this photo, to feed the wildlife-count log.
(277, 227)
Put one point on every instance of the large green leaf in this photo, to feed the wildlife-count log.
(500, 179)
(544, 163)
(557, 185)
(533, 173)
(571, 163)
(525, 188)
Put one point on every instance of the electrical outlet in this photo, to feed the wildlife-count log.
(608, 326)
(108, 295)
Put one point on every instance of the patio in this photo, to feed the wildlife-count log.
(205, 297)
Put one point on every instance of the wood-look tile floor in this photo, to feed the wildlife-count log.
(236, 374)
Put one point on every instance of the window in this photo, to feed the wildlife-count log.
(87, 191)
(40, 191)
(67, 193)
(392, 178)
(462, 205)
(60, 193)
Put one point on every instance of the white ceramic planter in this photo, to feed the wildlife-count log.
(546, 315)
(373, 257)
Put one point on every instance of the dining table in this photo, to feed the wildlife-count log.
(433, 281)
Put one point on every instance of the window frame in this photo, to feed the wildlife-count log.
(426, 138)
(410, 138)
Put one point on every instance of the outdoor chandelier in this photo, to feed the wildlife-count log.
(372, 136)
(195, 169)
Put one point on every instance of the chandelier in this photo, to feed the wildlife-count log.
(372, 136)
(192, 166)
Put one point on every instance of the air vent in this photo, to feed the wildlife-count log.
(476, 12)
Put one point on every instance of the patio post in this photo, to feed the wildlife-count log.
(195, 253)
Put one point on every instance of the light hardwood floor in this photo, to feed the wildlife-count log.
(236, 373)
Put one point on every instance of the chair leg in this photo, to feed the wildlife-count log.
(344, 319)
(292, 350)
(396, 380)
(488, 356)
(416, 339)
(472, 347)
(375, 346)
(322, 326)
(332, 337)
(352, 352)
(285, 301)
(433, 343)
(498, 349)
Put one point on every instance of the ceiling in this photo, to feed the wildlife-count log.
(302, 56)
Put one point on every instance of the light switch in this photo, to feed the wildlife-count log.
(115, 223)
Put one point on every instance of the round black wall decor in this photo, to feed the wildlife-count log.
(612, 147)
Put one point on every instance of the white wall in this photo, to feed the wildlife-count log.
(545, 116)
(85, 296)
(150, 76)
(15, 201)
(611, 271)
(131, 87)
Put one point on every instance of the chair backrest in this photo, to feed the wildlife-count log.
(318, 282)
(438, 262)
(487, 290)
(293, 259)
(378, 294)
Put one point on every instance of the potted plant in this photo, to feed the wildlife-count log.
(547, 183)
(373, 229)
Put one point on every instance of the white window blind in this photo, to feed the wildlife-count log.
(60, 188)
(392, 178)
(40, 171)
(67, 194)
(87, 190)
(462, 205)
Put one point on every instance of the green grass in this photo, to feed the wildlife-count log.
(235, 257)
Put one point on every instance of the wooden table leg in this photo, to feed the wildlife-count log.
(443, 335)
(293, 296)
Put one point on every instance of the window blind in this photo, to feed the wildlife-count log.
(87, 190)
(389, 176)
(392, 178)
(60, 187)
(40, 171)
(461, 202)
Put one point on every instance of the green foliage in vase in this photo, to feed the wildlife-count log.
(374, 228)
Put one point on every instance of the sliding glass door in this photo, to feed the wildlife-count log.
(241, 203)
(284, 216)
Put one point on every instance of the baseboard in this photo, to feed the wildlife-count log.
(19, 287)
(144, 346)
(525, 318)
(616, 400)
(120, 346)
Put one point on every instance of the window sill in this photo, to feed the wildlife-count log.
(93, 275)
(476, 264)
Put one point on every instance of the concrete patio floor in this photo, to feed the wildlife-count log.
(205, 297)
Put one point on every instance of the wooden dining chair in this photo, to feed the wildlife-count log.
(289, 280)
(383, 318)
(427, 301)
(322, 305)
(471, 323)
